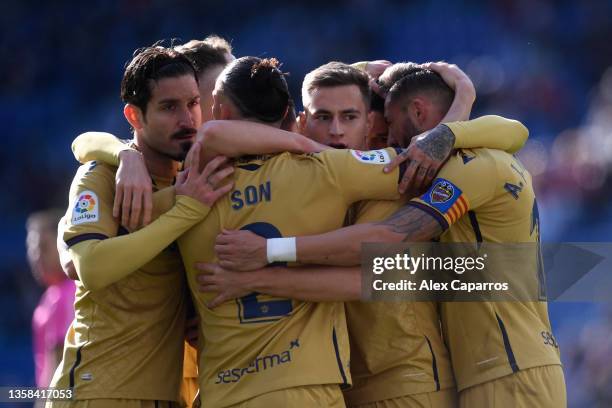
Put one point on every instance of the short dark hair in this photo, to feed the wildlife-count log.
(377, 103)
(150, 64)
(335, 74)
(406, 79)
(257, 87)
(206, 53)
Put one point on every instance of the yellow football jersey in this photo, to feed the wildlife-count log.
(128, 336)
(258, 344)
(484, 195)
(396, 347)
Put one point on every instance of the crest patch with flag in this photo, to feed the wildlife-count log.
(442, 192)
(447, 198)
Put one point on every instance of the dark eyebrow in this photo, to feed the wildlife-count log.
(344, 112)
(167, 101)
(175, 100)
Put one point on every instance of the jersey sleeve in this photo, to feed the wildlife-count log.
(464, 183)
(100, 263)
(358, 175)
(493, 132)
(163, 200)
(100, 146)
(90, 213)
(102, 252)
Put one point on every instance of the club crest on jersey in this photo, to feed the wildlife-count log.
(441, 192)
(86, 208)
(372, 156)
(443, 195)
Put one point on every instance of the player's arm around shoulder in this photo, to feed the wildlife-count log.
(100, 146)
(491, 131)
(465, 181)
(103, 259)
(359, 175)
(235, 138)
(132, 179)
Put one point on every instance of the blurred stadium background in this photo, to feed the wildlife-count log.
(546, 63)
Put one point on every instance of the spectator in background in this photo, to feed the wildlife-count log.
(55, 310)
(589, 360)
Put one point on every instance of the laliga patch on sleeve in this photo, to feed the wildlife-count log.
(372, 156)
(86, 208)
(442, 195)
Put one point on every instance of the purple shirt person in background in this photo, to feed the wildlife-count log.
(55, 310)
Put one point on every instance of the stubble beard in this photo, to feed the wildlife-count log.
(409, 131)
(181, 154)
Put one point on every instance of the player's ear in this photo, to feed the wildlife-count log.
(225, 111)
(301, 122)
(216, 108)
(418, 111)
(222, 107)
(134, 116)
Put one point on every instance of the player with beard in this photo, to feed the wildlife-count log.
(133, 198)
(502, 352)
(133, 189)
(125, 347)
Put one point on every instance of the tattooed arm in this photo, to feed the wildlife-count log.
(343, 246)
(428, 151)
(246, 251)
(425, 155)
(311, 283)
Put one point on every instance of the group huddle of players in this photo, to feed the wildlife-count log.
(305, 189)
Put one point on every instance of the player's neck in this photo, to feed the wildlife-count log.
(157, 163)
